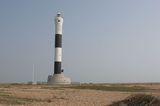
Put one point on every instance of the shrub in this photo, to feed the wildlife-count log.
(138, 100)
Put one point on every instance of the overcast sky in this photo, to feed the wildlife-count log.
(103, 40)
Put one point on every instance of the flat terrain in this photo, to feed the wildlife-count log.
(73, 95)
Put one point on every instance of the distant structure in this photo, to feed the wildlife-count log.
(58, 76)
(33, 76)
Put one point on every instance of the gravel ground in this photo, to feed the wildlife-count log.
(37, 96)
(72, 97)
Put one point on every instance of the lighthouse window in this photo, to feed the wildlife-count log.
(58, 20)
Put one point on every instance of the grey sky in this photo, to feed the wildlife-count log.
(103, 40)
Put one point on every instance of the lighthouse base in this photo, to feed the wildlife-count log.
(58, 79)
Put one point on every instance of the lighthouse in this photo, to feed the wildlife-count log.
(58, 76)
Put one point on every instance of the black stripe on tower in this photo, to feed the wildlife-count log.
(57, 67)
(58, 40)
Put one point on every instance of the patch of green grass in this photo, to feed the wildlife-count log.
(14, 100)
(5, 86)
(52, 87)
(110, 88)
(3, 93)
(7, 98)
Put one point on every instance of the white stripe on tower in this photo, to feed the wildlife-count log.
(58, 54)
(58, 44)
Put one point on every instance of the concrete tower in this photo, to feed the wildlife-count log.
(58, 76)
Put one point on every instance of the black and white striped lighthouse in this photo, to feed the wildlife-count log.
(58, 76)
(58, 44)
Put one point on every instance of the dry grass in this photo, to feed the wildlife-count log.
(84, 95)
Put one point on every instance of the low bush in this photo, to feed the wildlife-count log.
(138, 100)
